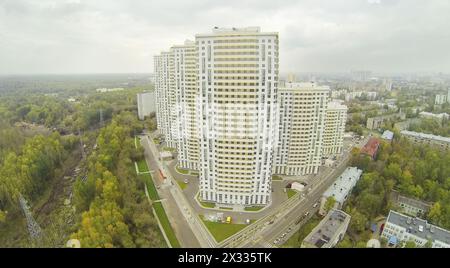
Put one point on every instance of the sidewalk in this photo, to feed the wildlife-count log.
(188, 225)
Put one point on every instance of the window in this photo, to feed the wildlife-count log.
(203, 65)
(263, 52)
(209, 53)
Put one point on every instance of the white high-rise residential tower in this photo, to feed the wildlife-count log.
(333, 137)
(186, 92)
(164, 96)
(237, 77)
(302, 111)
(218, 103)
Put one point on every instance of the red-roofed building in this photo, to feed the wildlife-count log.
(371, 148)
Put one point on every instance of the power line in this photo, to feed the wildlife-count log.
(33, 227)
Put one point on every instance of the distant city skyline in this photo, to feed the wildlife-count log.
(99, 36)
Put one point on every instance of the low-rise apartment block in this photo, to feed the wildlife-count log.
(440, 99)
(430, 139)
(387, 135)
(371, 148)
(341, 188)
(404, 125)
(329, 231)
(401, 228)
(410, 206)
(438, 117)
(377, 122)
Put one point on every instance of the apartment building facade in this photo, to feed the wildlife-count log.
(302, 112)
(401, 228)
(218, 103)
(237, 77)
(165, 95)
(329, 232)
(184, 87)
(442, 143)
(146, 104)
(333, 137)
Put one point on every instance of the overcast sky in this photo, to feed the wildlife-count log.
(106, 36)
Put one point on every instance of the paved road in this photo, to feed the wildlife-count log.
(185, 235)
(281, 227)
(187, 225)
(269, 232)
(267, 229)
(272, 222)
(288, 222)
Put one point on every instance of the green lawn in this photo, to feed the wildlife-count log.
(182, 171)
(142, 165)
(159, 209)
(276, 178)
(208, 204)
(182, 185)
(291, 193)
(194, 173)
(254, 208)
(150, 186)
(221, 231)
(156, 141)
(169, 149)
(226, 208)
(136, 142)
(166, 225)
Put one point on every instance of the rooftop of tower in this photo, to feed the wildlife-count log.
(186, 43)
(236, 31)
(336, 105)
(302, 86)
(253, 29)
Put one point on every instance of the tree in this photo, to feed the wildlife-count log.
(345, 243)
(103, 226)
(358, 220)
(29, 172)
(410, 244)
(361, 244)
(329, 204)
(435, 214)
(2, 216)
(117, 210)
(383, 242)
(393, 171)
(370, 204)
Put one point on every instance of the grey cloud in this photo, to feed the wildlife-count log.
(65, 36)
